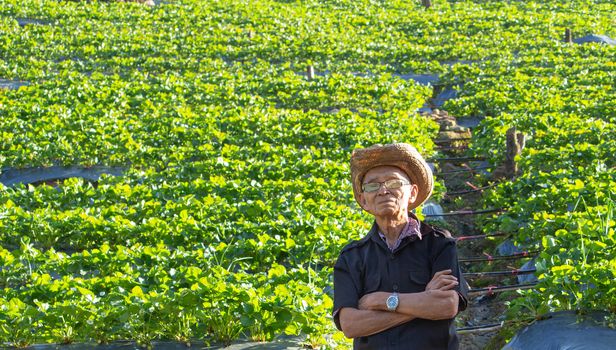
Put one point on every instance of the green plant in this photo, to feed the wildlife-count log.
(235, 194)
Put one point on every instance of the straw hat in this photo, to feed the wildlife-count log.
(401, 155)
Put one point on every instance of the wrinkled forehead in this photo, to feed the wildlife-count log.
(384, 172)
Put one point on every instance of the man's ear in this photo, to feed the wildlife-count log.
(414, 193)
(362, 199)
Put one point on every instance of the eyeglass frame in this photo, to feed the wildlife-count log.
(404, 183)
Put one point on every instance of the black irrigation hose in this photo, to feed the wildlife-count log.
(452, 140)
(468, 238)
(464, 170)
(495, 289)
(487, 257)
(449, 148)
(475, 190)
(468, 212)
(482, 328)
(513, 272)
(457, 159)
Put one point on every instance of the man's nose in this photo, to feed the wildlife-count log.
(383, 189)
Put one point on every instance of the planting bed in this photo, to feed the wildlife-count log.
(236, 200)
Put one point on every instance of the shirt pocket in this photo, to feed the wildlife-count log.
(372, 283)
(417, 280)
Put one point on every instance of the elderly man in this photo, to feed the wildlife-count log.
(400, 286)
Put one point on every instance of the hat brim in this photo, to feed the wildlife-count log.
(400, 155)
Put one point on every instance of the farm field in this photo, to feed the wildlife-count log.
(230, 195)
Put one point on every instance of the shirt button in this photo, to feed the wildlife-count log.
(393, 257)
(395, 287)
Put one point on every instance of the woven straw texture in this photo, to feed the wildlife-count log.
(401, 155)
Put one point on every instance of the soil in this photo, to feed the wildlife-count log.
(485, 309)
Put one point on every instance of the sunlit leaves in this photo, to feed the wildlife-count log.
(237, 197)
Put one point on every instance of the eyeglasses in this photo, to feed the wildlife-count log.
(389, 184)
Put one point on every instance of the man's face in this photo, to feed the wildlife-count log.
(387, 202)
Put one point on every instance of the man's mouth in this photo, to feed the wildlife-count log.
(388, 200)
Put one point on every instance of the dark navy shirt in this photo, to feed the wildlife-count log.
(367, 266)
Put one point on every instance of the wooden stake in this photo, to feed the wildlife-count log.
(515, 143)
(568, 36)
(521, 139)
(310, 72)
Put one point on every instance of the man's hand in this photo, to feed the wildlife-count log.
(432, 304)
(362, 323)
(442, 280)
(374, 301)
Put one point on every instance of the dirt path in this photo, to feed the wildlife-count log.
(454, 166)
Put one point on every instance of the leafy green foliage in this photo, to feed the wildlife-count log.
(561, 96)
(237, 198)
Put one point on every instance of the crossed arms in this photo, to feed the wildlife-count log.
(439, 301)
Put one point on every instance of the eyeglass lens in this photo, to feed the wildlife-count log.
(389, 184)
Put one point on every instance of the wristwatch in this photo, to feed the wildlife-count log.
(392, 302)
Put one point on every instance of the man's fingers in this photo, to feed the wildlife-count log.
(442, 272)
(362, 304)
(444, 278)
(445, 282)
(444, 287)
(447, 278)
(448, 284)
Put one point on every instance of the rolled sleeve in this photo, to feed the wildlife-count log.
(446, 257)
(346, 291)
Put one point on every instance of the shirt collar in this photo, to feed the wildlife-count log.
(409, 230)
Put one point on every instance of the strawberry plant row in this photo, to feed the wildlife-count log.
(236, 200)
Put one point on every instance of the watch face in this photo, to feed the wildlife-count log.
(392, 302)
